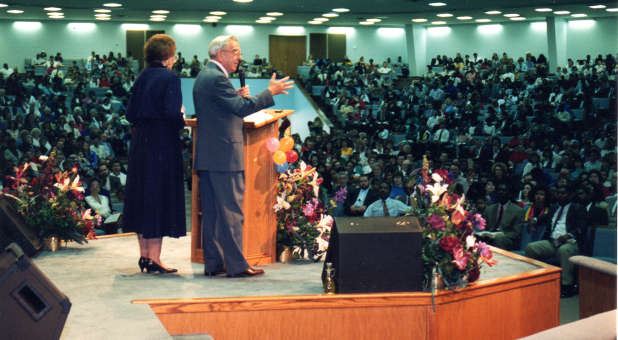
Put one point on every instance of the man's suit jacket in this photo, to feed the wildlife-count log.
(220, 112)
(575, 223)
(511, 222)
(371, 197)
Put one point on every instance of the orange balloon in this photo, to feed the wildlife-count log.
(279, 157)
(286, 143)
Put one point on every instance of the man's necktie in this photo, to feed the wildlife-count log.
(385, 208)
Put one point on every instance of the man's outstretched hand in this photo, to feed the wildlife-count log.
(279, 86)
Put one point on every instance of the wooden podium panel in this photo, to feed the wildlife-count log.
(259, 228)
(506, 307)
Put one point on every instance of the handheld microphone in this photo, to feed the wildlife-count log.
(241, 77)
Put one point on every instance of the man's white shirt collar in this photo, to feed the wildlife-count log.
(220, 67)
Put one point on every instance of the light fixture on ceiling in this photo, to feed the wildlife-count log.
(263, 21)
(103, 10)
(612, 9)
(218, 13)
(158, 16)
(157, 19)
(103, 18)
(243, 1)
(483, 20)
(493, 12)
(373, 20)
(160, 11)
(210, 20)
(313, 22)
(214, 17)
(511, 15)
(3, 5)
(444, 15)
(15, 11)
(102, 15)
(439, 22)
(543, 9)
(52, 9)
(366, 23)
(56, 17)
(320, 19)
(330, 15)
(465, 17)
(419, 20)
(562, 12)
(597, 6)
(112, 4)
(55, 14)
(437, 4)
(274, 14)
(579, 15)
(341, 10)
(518, 18)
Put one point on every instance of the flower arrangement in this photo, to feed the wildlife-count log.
(52, 201)
(302, 222)
(449, 244)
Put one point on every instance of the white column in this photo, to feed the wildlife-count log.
(556, 42)
(416, 41)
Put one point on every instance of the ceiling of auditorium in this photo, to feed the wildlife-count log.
(299, 12)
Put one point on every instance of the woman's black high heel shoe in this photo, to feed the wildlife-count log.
(143, 263)
(154, 267)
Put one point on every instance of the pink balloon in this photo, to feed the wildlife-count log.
(272, 144)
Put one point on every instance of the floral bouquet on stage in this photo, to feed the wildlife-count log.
(302, 222)
(449, 244)
(52, 201)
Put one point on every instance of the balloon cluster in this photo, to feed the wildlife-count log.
(283, 152)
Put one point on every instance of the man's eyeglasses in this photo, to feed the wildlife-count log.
(234, 51)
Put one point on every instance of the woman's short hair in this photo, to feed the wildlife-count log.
(158, 48)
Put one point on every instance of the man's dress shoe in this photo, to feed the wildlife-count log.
(248, 273)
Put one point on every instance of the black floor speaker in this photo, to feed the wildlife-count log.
(13, 228)
(32, 307)
(375, 254)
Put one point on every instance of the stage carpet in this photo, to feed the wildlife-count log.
(102, 277)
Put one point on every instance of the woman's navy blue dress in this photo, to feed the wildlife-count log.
(154, 203)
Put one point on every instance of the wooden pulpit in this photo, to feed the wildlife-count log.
(260, 227)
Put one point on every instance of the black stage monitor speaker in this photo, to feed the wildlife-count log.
(376, 254)
(32, 307)
(13, 228)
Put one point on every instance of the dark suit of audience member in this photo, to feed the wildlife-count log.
(596, 216)
(504, 221)
(219, 155)
(564, 238)
(360, 198)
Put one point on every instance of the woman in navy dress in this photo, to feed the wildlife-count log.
(154, 204)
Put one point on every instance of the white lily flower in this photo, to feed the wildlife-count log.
(470, 241)
(437, 178)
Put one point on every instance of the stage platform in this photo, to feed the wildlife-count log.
(102, 279)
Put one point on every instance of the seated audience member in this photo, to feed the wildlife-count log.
(361, 197)
(386, 206)
(590, 197)
(536, 216)
(504, 221)
(563, 239)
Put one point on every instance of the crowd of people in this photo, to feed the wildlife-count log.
(516, 137)
(76, 109)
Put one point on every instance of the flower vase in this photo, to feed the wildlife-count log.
(285, 255)
(52, 243)
(436, 280)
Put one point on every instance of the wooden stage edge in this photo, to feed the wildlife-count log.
(508, 307)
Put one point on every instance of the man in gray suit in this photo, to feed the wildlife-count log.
(219, 155)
